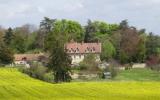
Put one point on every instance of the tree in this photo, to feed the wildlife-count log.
(66, 30)
(46, 25)
(24, 38)
(108, 50)
(71, 30)
(6, 55)
(19, 44)
(60, 62)
(128, 45)
(96, 29)
(141, 48)
(152, 44)
(90, 31)
(8, 36)
(124, 24)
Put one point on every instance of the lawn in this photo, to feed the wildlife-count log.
(140, 74)
(17, 86)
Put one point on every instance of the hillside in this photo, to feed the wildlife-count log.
(17, 86)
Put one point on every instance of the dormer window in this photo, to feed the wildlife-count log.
(77, 49)
(93, 48)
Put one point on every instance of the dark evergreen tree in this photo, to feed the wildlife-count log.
(90, 31)
(8, 36)
(59, 60)
(6, 55)
(60, 63)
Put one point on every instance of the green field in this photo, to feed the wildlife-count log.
(17, 86)
(138, 75)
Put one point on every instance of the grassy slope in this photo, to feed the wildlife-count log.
(17, 86)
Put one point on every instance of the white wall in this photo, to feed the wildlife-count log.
(77, 58)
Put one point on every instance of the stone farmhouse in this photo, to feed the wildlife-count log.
(78, 51)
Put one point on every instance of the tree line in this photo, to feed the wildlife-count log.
(119, 41)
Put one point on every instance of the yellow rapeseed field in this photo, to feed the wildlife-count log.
(16, 86)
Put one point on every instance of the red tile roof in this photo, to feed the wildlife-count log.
(83, 48)
(28, 57)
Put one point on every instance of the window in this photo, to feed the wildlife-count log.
(93, 48)
(77, 49)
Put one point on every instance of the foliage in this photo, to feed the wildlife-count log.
(37, 71)
(8, 36)
(108, 50)
(89, 64)
(19, 44)
(96, 28)
(59, 61)
(121, 42)
(153, 62)
(152, 45)
(6, 55)
(71, 30)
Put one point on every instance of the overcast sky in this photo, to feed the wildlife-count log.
(140, 13)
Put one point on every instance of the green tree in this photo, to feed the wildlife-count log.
(108, 50)
(141, 48)
(152, 44)
(90, 32)
(19, 44)
(124, 24)
(66, 30)
(71, 30)
(8, 36)
(6, 55)
(96, 29)
(46, 26)
(60, 62)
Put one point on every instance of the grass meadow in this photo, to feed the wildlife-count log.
(17, 86)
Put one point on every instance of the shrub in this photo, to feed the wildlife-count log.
(38, 71)
(153, 62)
(89, 64)
(48, 77)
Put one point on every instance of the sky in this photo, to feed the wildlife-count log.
(139, 13)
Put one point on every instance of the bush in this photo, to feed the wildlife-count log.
(82, 66)
(89, 64)
(37, 71)
(153, 62)
(48, 77)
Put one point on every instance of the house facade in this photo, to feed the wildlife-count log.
(78, 51)
(23, 59)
